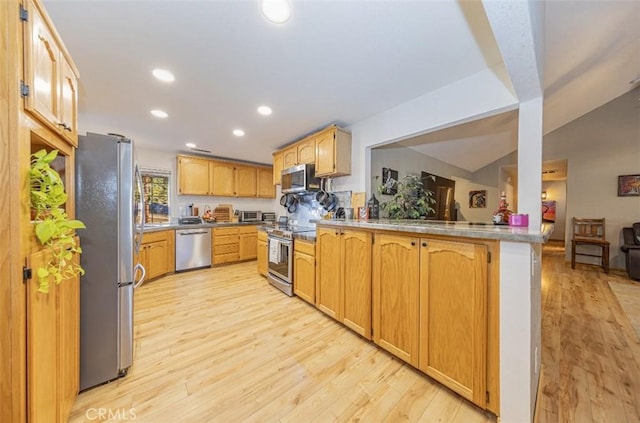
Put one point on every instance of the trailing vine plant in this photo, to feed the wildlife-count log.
(53, 229)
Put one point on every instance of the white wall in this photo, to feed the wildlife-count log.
(163, 160)
(599, 146)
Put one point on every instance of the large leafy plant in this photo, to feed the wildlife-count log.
(53, 228)
(411, 201)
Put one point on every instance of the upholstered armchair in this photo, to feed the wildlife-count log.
(631, 248)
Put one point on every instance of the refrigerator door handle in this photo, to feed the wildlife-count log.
(139, 234)
(140, 267)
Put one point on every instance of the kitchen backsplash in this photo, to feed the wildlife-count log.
(308, 208)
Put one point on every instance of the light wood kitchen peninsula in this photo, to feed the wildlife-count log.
(436, 299)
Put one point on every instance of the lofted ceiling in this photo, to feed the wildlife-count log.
(333, 62)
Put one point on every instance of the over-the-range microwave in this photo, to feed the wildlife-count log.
(300, 178)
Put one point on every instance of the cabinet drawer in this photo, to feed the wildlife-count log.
(225, 239)
(149, 237)
(248, 229)
(305, 247)
(225, 258)
(226, 248)
(225, 231)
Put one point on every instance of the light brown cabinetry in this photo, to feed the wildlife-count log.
(304, 270)
(343, 277)
(230, 244)
(395, 295)
(246, 181)
(278, 165)
(265, 188)
(263, 253)
(333, 152)
(248, 242)
(453, 320)
(430, 308)
(193, 176)
(329, 149)
(157, 253)
(53, 343)
(201, 176)
(223, 180)
(51, 93)
(290, 157)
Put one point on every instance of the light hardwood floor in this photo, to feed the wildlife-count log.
(222, 345)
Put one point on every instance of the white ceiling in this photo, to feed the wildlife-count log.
(333, 62)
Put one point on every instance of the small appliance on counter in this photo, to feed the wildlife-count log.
(190, 220)
(268, 217)
(249, 216)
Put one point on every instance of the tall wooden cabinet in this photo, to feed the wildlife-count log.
(343, 277)
(39, 334)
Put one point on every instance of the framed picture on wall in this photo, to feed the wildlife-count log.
(549, 211)
(389, 181)
(628, 185)
(478, 199)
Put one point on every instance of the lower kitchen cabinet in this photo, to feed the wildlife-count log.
(453, 319)
(343, 277)
(430, 308)
(395, 295)
(304, 270)
(263, 253)
(231, 244)
(53, 344)
(157, 253)
(248, 242)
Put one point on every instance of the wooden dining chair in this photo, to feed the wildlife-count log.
(590, 232)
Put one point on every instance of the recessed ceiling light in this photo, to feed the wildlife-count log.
(238, 132)
(160, 113)
(190, 145)
(163, 75)
(265, 110)
(276, 11)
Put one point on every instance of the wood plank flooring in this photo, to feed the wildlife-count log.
(591, 354)
(222, 345)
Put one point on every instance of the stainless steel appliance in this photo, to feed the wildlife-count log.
(107, 186)
(280, 251)
(250, 216)
(300, 178)
(268, 217)
(193, 249)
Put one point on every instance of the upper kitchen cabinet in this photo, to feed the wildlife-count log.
(193, 175)
(333, 152)
(266, 188)
(222, 179)
(307, 151)
(290, 157)
(246, 181)
(51, 78)
(278, 165)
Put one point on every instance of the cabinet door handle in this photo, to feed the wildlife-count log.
(65, 126)
(424, 244)
(413, 243)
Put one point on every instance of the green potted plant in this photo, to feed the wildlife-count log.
(411, 201)
(53, 229)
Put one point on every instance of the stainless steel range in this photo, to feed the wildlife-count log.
(281, 256)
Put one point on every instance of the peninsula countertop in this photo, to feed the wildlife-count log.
(485, 230)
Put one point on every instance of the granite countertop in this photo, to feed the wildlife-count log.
(155, 227)
(467, 229)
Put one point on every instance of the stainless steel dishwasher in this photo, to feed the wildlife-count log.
(193, 248)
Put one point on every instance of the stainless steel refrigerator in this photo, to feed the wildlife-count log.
(107, 180)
